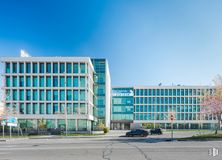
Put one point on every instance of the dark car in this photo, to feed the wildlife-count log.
(156, 131)
(137, 132)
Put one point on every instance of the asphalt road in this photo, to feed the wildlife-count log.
(106, 148)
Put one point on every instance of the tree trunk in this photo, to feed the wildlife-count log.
(218, 123)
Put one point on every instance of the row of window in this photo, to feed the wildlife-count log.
(122, 101)
(169, 92)
(48, 67)
(179, 116)
(122, 116)
(167, 100)
(48, 81)
(48, 108)
(46, 95)
(166, 108)
(123, 109)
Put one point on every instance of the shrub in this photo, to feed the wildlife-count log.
(105, 130)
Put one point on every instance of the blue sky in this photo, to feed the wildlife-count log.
(146, 42)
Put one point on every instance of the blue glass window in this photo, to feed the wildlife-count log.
(48, 67)
(21, 95)
(68, 68)
(41, 83)
(14, 81)
(82, 108)
(28, 68)
(82, 82)
(7, 68)
(28, 108)
(34, 68)
(41, 108)
(35, 95)
(21, 67)
(75, 108)
(35, 108)
(21, 81)
(55, 81)
(55, 67)
(69, 81)
(41, 95)
(75, 95)
(48, 81)
(35, 81)
(75, 82)
(55, 95)
(28, 95)
(62, 81)
(69, 95)
(62, 95)
(75, 68)
(14, 67)
(21, 108)
(41, 68)
(62, 68)
(48, 108)
(55, 108)
(82, 95)
(48, 95)
(8, 81)
(28, 81)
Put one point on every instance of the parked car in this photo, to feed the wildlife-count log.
(137, 132)
(156, 131)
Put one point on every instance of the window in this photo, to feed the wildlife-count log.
(82, 68)
(41, 95)
(14, 67)
(28, 108)
(69, 108)
(28, 67)
(14, 81)
(34, 68)
(21, 95)
(55, 108)
(55, 81)
(41, 83)
(28, 95)
(55, 95)
(62, 68)
(82, 95)
(62, 95)
(41, 108)
(75, 108)
(69, 81)
(21, 67)
(82, 82)
(62, 81)
(35, 95)
(7, 68)
(21, 81)
(75, 82)
(35, 108)
(68, 68)
(48, 95)
(48, 108)
(35, 81)
(75, 95)
(48, 67)
(28, 81)
(8, 81)
(55, 67)
(41, 68)
(75, 68)
(82, 108)
(21, 108)
(48, 81)
(69, 95)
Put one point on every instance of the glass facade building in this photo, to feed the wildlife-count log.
(102, 89)
(155, 104)
(45, 88)
(122, 108)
